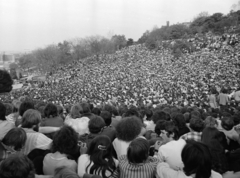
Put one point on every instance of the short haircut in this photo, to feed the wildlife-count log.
(107, 117)
(171, 128)
(160, 125)
(25, 106)
(227, 123)
(131, 112)
(128, 128)
(138, 151)
(9, 108)
(15, 137)
(96, 124)
(210, 122)
(2, 111)
(75, 111)
(96, 111)
(148, 113)
(17, 166)
(85, 108)
(50, 110)
(196, 124)
(160, 115)
(31, 118)
(196, 158)
(65, 141)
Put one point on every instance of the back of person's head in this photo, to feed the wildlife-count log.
(65, 141)
(9, 108)
(100, 152)
(138, 151)
(2, 111)
(196, 158)
(16, 138)
(114, 111)
(60, 110)
(128, 128)
(31, 118)
(210, 122)
(179, 120)
(131, 112)
(160, 125)
(196, 124)
(85, 108)
(16, 105)
(148, 113)
(17, 166)
(160, 115)
(96, 124)
(171, 128)
(195, 114)
(50, 110)
(96, 111)
(187, 117)
(25, 106)
(75, 111)
(211, 134)
(64, 172)
(227, 123)
(107, 117)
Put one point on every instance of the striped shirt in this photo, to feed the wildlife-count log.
(142, 170)
(36, 140)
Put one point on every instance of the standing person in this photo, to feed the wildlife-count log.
(213, 99)
(236, 96)
(223, 98)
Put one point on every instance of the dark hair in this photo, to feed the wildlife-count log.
(171, 128)
(6, 81)
(96, 124)
(65, 141)
(50, 110)
(25, 106)
(160, 125)
(9, 108)
(131, 112)
(210, 122)
(196, 158)
(100, 152)
(212, 133)
(148, 113)
(138, 151)
(17, 166)
(107, 117)
(31, 118)
(227, 123)
(2, 111)
(96, 111)
(196, 124)
(15, 137)
(179, 120)
(160, 115)
(85, 108)
(128, 128)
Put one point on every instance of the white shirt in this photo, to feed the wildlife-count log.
(164, 171)
(171, 153)
(80, 125)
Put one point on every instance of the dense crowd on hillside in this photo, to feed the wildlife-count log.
(134, 113)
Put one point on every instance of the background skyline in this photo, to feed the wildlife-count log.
(27, 25)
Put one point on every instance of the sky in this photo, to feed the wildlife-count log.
(29, 24)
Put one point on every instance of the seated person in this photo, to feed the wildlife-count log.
(64, 147)
(17, 166)
(51, 116)
(30, 123)
(197, 162)
(12, 143)
(137, 162)
(98, 159)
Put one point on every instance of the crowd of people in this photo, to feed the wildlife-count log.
(134, 113)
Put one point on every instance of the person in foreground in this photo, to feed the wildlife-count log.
(197, 162)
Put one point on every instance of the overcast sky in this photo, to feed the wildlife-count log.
(29, 24)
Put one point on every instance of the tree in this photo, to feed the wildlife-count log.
(130, 42)
(65, 52)
(119, 41)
